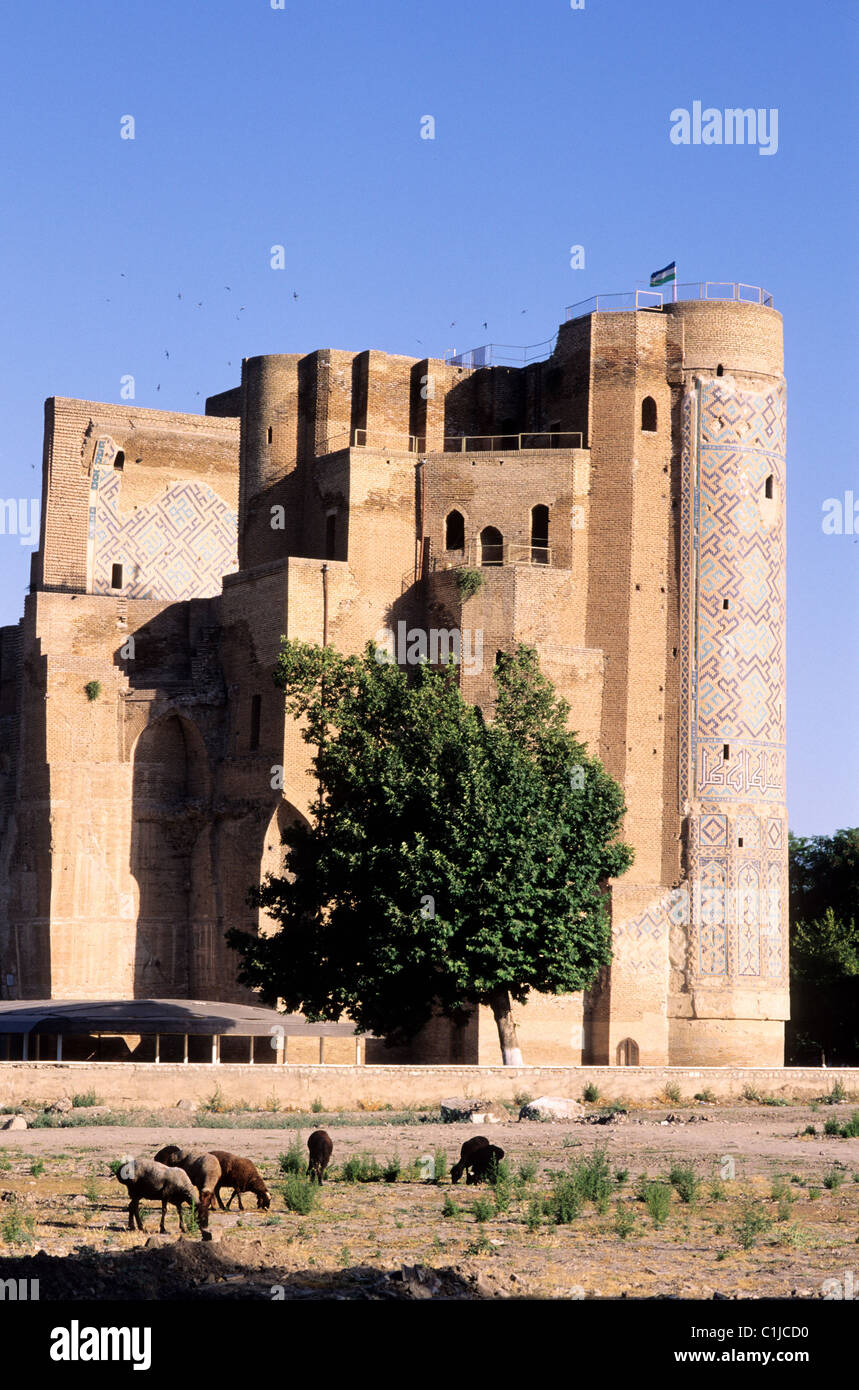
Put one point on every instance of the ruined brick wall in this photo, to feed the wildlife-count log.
(133, 825)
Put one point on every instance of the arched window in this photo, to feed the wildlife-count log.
(648, 414)
(540, 535)
(720, 370)
(768, 486)
(454, 531)
(491, 546)
(627, 1053)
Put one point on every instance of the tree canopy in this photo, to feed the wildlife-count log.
(451, 861)
(824, 946)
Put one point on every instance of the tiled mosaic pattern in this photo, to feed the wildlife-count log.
(177, 547)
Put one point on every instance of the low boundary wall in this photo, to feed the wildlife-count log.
(151, 1086)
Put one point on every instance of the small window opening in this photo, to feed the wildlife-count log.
(256, 714)
(726, 603)
(491, 546)
(270, 434)
(540, 535)
(768, 486)
(726, 752)
(740, 842)
(454, 531)
(648, 414)
(720, 370)
(330, 535)
(119, 460)
(116, 576)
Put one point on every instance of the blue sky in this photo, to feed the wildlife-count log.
(300, 126)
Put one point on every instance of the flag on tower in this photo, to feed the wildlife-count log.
(664, 276)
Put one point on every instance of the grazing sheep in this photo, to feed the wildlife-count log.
(467, 1154)
(203, 1169)
(142, 1177)
(483, 1161)
(242, 1176)
(320, 1145)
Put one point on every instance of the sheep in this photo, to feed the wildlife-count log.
(320, 1145)
(242, 1176)
(142, 1177)
(467, 1154)
(482, 1163)
(203, 1169)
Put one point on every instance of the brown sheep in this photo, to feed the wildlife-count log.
(320, 1145)
(467, 1155)
(242, 1176)
(203, 1169)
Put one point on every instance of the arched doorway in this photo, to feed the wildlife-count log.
(169, 795)
(540, 535)
(627, 1053)
(491, 546)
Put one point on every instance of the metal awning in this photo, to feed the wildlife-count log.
(163, 1016)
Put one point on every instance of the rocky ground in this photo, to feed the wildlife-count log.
(775, 1213)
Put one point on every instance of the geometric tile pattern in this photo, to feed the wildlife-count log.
(641, 943)
(178, 546)
(733, 592)
(713, 830)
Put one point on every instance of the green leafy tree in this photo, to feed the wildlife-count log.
(824, 945)
(450, 862)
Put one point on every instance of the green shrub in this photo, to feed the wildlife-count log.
(592, 1177)
(482, 1209)
(833, 1179)
(752, 1223)
(591, 1093)
(86, 1098)
(624, 1221)
(93, 690)
(657, 1199)
(528, 1170)
(362, 1168)
(16, 1228)
(299, 1194)
(521, 1098)
(706, 1097)
(91, 1189)
(672, 1093)
(836, 1095)
(392, 1169)
(851, 1129)
(534, 1217)
(439, 1165)
(685, 1182)
(451, 1208)
(718, 1191)
(813, 1194)
(831, 1127)
(468, 582)
(749, 1093)
(565, 1202)
(316, 1106)
(621, 1176)
(37, 1167)
(294, 1160)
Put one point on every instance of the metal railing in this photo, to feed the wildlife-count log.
(477, 555)
(656, 299)
(501, 355)
(488, 443)
(373, 439)
(455, 443)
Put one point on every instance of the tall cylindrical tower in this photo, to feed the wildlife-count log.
(729, 957)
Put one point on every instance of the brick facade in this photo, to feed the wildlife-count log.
(631, 487)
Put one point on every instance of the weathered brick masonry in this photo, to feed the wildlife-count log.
(625, 500)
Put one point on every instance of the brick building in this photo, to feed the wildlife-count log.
(624, 497)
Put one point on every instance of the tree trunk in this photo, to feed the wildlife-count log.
(507, 1036)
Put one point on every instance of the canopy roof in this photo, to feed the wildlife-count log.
(84, 1016)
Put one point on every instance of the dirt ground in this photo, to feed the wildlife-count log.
(791, 1198)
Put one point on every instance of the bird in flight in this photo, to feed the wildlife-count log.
(294, 294)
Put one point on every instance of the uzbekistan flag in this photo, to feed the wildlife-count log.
(664, 276)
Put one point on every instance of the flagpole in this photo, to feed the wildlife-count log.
(675, 282)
